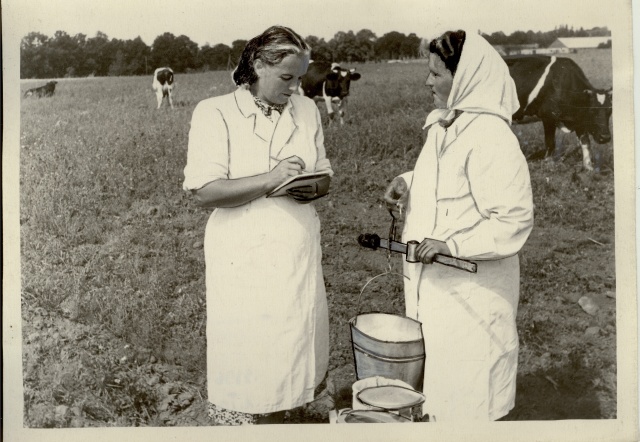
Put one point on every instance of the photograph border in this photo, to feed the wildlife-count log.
(623, 428)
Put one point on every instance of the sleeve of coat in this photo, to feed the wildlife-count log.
(501, 188)
(208, 152)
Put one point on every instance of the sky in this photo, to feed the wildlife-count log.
(216, 21)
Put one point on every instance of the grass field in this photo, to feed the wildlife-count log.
(113, 298)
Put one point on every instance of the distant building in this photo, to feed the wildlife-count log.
(559, 46)
(554, 51)
(579, 42)
(505, 50)
(529, 49)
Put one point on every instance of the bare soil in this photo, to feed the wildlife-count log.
(567, 366)
(113, 296)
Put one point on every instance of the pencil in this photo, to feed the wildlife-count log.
(278, 160)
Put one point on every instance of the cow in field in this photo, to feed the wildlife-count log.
(556, 91)
(331, 83)
(43, 91)
(163, 85)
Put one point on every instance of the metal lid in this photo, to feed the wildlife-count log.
(371, 417)
(390, 397)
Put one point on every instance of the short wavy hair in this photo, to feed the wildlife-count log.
(271, 47)
(448, 47)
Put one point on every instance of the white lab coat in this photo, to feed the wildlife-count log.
(470, 188)
(267, 321)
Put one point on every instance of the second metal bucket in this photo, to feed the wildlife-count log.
(388, 345)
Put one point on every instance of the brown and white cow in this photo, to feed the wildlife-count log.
(163, 85)
(43, 91)
(556, 91)
(330, 83)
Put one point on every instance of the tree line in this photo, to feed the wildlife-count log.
(544, 39)
(63, 55)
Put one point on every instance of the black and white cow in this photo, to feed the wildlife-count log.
(556, 91)
(163, 85)
(43, 91)
(331, 83)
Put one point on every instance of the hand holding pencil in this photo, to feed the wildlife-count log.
(291, 166)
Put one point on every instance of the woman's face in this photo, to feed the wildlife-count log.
(440, 80)
(276, 83)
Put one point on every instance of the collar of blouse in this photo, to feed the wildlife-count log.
(277, 134)
(267, 108)
(249, 106)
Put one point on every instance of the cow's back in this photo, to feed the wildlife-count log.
(566, 73)
(312, 81)
(547, 82)
(164, 76)
(526, 72)
(50, 87)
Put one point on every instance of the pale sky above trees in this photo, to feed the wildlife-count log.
(223, 21)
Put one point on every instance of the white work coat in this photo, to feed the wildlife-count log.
(470, 188)
(267, 321)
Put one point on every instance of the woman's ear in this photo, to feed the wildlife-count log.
(258, 67)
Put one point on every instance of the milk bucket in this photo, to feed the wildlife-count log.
(388, 345)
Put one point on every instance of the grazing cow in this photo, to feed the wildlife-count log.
(43, 91)
(331, 83)
(163, 85)
(556, 91)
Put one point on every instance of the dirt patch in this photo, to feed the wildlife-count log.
(113, 296)
(79, 375)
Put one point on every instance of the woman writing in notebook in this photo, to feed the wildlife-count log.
(267, 322)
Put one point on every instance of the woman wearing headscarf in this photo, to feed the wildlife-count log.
(468, 196)
(267, 321)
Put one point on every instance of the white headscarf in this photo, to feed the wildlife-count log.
(481, 84)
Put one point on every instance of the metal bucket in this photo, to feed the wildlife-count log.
(388, 345)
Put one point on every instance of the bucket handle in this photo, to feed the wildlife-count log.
(388, 272)
(392, 235)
